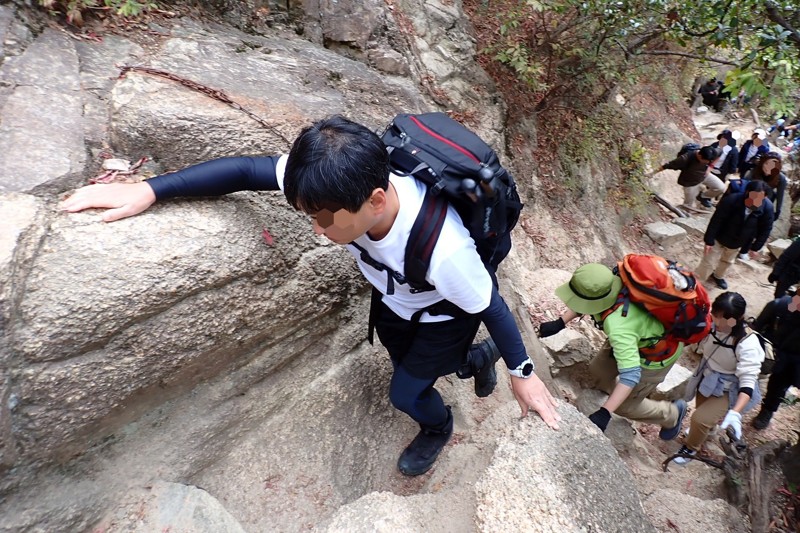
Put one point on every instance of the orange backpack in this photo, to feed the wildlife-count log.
(669, 292)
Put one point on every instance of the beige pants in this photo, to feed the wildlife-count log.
(708, 411)
(637, 406)
(720, 257)
(714, 187)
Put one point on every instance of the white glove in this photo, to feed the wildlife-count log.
(734, 420)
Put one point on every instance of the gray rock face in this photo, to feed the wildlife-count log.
(538, 480)
(674, 385)
(287, 84)
(672, 509)
(694, 225)
(568, 347)
(570, 480)
(41, 135)
(779, 246)
(176, 507)
(664, 233)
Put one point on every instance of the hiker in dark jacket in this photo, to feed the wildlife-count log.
(728, 161)
(710, 91)
(694, 173)
(738, 218)
(780, 323)
(786, 271)
(768, 170)
(751, 149)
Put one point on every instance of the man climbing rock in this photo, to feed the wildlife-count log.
(338, 173)
(622, 367)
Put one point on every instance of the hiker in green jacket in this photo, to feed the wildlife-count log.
(622, 367)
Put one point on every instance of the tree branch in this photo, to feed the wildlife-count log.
(776, 17)
(679, 54)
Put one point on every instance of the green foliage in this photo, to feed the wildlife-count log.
(599, 43)
(74, 10)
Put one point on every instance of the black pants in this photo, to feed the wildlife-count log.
(785, 374)
(421, 353)
(784, 282)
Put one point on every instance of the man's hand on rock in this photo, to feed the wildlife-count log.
(531, 393)
(121, 199)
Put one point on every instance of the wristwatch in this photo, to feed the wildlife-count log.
(524, 370)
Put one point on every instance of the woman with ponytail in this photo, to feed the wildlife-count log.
(726, 381)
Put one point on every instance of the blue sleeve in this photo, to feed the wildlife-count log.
(630, 376)
(219, 177)
(504, 331)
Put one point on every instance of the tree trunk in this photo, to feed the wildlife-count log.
(749, 480)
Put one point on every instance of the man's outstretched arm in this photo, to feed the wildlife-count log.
(212, 178)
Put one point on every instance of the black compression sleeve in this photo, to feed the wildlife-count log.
(218, 177)
(503, 329)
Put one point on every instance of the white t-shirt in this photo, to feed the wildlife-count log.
(721, 159)
(456, 269)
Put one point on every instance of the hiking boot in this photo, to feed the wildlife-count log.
(482, 358)
(743, 257)
(671, 433)
(719, 282)
(705, 202)
(419, 456)
(687, 453)
(762, 419)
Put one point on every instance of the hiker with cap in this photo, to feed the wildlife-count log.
(726, 163)
(621, 369)
(694, 173)
(751, 149)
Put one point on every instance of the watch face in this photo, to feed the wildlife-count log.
(527, 370)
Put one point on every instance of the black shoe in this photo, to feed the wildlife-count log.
(705, 202)
(721, 283)
(419, 456)
(483, 357)
(762, 419)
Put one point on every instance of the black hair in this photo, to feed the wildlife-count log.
(731, 305)
(757, 186)
(758, 172)
(710, 153)
(335, 164)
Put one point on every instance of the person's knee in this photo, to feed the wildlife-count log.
(401, 397)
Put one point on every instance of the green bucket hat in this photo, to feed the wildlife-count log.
(592, 289)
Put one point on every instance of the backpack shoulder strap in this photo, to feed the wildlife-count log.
(422, 239)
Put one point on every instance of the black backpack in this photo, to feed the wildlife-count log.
(462, 170)
(688, 147)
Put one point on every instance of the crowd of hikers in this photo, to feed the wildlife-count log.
(426, 210)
